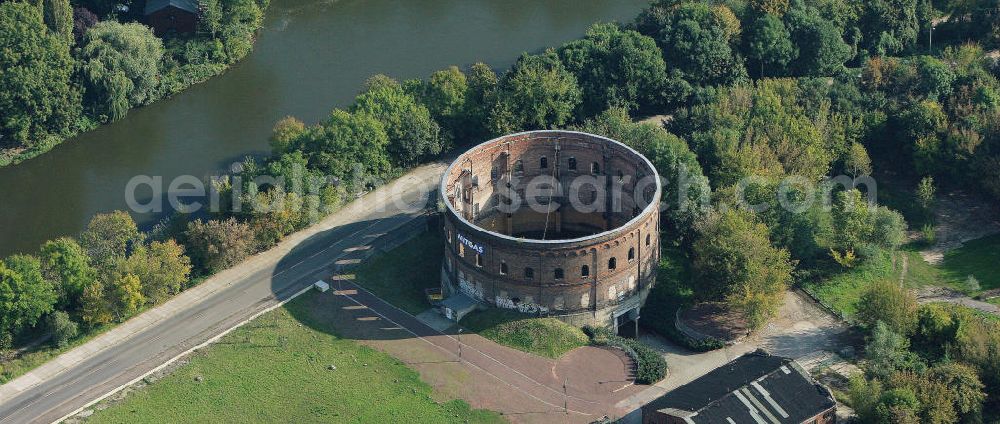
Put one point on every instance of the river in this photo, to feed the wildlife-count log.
(309, 58)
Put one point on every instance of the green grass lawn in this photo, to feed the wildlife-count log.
(843, 290)
(979, 258)
(275, 369)
(400, 276)
(546, 337)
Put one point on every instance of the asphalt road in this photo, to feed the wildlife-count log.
(308, 262)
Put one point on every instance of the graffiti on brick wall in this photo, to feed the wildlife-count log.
(473, 290)
(522, 307)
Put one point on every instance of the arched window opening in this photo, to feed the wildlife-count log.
(529, 273)
(543, 162)
(612, 263)
(503, 268)
(559, 274)
(631, 254)
(572, 164)
(595, 168)
(585, 271)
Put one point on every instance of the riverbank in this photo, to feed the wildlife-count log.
(161, 66)
(203, 130)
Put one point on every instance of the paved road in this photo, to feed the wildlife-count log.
(255, 285)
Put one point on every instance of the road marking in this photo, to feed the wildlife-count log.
(201, 345)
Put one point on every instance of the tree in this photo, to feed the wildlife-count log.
(217, 245)
(856, 161)
(284, 134)
(109, 236)
(772, 7)
(210, 19)
(121, 67)
(770, 44)
(58, 16)
(925, 193)
(538, 92)
(480, 99)
(25, 296)
(888, 302)
(852, 221)
(687, 192)
(888, 352)
(37, 97)
(890, 26)
(66, 263)
(125, 296)
(444, 95)
(734, 260)
(935, 77)
(964, 388)
(696, 38)
(240, 21)
(413, 134)
(83, 21)
(349, 146)
(162, 268)
(95, 310)
(615, 67)
(820, 44)
(62, 328)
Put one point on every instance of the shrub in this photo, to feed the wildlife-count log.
(63, 328)
(650, 365)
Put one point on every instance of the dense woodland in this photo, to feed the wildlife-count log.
(757, 93)
(68, 66)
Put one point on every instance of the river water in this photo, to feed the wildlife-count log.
(309, 58)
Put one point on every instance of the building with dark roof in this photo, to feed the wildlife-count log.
(756, 388)
(179, 16)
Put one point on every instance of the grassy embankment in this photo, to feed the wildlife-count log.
(275, 369)
(400, 277)
(976, 258)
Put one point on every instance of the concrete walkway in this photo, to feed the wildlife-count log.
(580, 387)
(133, 349)
(801, 329)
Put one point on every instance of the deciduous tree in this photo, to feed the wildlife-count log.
(121, 67)
(37, 97)
(66, 264)
(25, 295)
(538, 92)
(615, 67)
(734, 260)
(162, 268)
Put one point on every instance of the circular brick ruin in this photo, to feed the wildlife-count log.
(554, 223)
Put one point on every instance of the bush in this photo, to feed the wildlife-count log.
(63, 328)
(650, 365)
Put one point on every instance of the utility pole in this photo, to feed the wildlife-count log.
(459, 345)
(565, 399)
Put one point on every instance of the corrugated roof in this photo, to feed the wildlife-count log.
(755, 388)
(155, 5)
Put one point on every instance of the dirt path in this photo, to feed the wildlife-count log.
(932, 294)
(960, 217)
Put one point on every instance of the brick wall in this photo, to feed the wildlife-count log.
(557, 283)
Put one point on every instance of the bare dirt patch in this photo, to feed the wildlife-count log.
(714, 320)
(961, 217)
